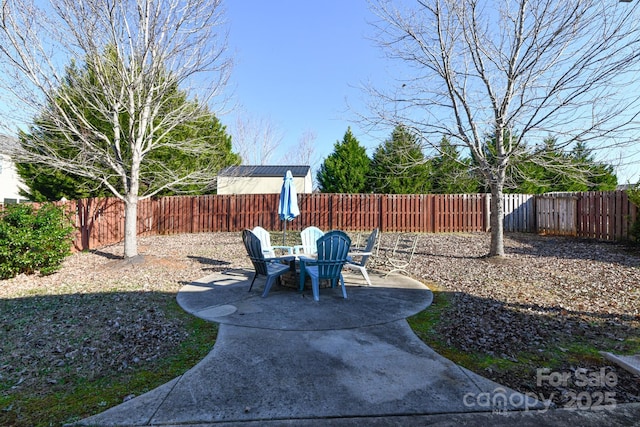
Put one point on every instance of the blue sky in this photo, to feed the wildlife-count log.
(299, 62)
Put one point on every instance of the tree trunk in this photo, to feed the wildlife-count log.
(497, 221)
(131, 226)
(132, 183)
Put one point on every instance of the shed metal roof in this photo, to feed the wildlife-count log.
(264, 171)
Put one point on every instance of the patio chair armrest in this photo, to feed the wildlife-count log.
(358, 254)
(307, 260)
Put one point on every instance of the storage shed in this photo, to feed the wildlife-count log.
(262, 179)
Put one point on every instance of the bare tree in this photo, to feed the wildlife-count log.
(256, 139)
(490, 75)
(302, 152)
(136, 53)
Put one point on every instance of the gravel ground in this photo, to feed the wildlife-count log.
(98, 314)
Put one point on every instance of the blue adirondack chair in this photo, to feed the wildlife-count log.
(263, 266)
(332, 250)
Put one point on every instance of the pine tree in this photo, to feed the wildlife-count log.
(399, 165)
(346, 169)
(450, 173)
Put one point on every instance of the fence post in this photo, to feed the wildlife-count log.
(82, 214)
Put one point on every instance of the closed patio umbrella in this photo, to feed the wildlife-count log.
(288, 206)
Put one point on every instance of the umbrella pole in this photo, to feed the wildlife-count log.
(284, 232)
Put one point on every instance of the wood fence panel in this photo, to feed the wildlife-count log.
(398, 210)
(182, 214)
(341, 203)
(371, 208)
(588, 215)
(251, 209)
(258, 209)
(426, 213)
(467, 217)
(239, 220)
(172, 213)
(201, 221)
(598, 215)
(222, 213)
(457, 213)
(367, 214)
(355, 212)
(145, 218)
(384, 218)
(314, 211)
(437, 208)
(114, 215)
(470, 214)
(386, 211)
(476, 212)
(442, 208)
(404, 212)
(414, 215)
(96, 221)
(445, 213)
(608, 216)
(619, 207)
(242, 220)
(210, 214)
(557, 214)
(519, 213)
(632, 215)
(105, 221)
(605, 215)
(390, 211)
(166, 219)
(183, 207)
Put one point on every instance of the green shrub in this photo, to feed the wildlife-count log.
(33, 240)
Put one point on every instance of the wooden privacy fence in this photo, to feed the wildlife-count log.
(601, 215)
(605, 215)
(594, 215)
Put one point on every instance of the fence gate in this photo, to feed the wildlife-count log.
(557, 214)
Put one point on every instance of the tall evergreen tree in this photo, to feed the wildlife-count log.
(598, 176)
(549, 169)
(399, 166)
(451, 174)
(346, 169)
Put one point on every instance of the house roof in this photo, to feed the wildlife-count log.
(264, 171)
